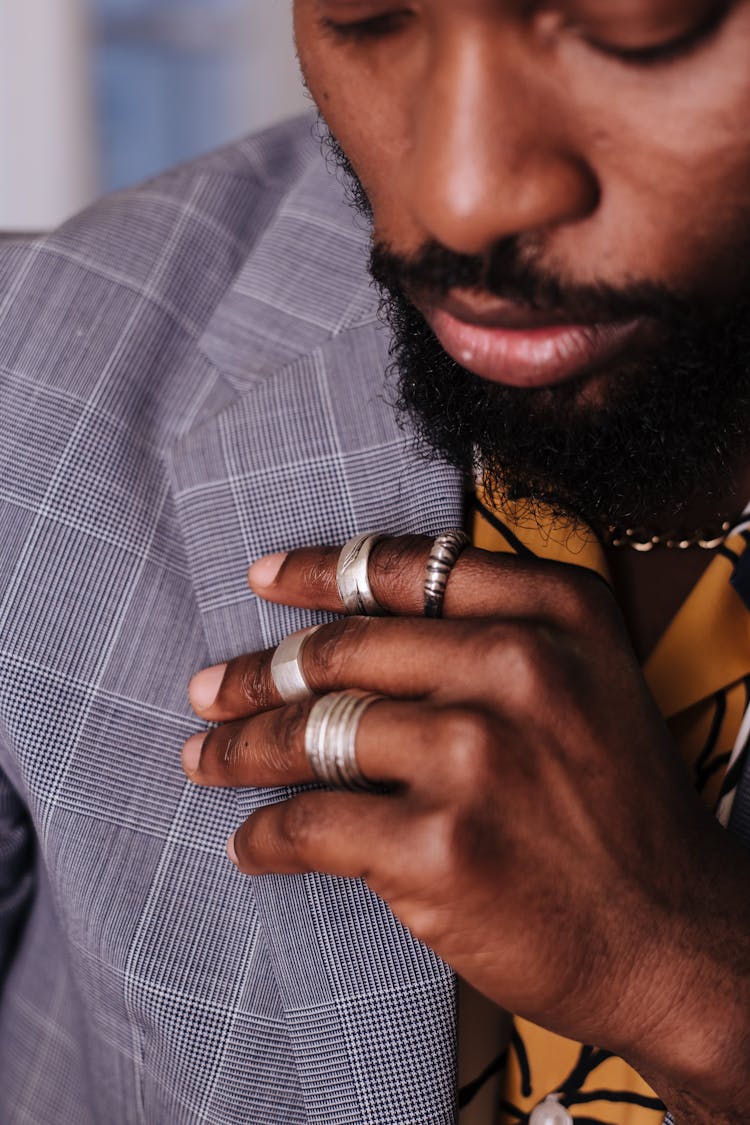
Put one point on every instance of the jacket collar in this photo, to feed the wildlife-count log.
(297, 445)
(305, 283)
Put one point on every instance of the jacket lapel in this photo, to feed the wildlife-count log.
(297, 446)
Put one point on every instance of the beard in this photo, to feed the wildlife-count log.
(662, 430)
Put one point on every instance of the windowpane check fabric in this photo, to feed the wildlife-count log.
(191, 374)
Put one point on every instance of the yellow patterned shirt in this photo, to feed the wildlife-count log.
(699, 674)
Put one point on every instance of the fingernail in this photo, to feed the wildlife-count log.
(232, 851)
(266, 570)
(191, 752)
(205, 686)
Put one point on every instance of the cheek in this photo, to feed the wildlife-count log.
(364, 110)
(671, 152)
(676, 206)
(702, 218)
(366, 122)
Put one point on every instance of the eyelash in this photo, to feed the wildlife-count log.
(377, 27)
(664, 53)
(380, 27)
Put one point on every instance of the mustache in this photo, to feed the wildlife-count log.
(512, 271)
(509, 272)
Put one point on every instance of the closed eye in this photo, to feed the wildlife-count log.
(660, 54)
(374, 27)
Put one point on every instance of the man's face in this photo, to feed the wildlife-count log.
(563, 192)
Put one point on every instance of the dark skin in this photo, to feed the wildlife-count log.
(501, 742)
(651, 587)
(520, 727)
(650, 590)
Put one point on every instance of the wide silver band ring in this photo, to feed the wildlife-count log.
(331, 740)
(443, 557)
(352, 577)
(286, 667)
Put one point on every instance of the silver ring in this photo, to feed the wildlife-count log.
(331, 739)
(352, 576)
(286, 667)
(443, 557)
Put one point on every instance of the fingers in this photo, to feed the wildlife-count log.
(396, 744)
(398, 657)
(481, 584)
(406, 658)
(337, 833)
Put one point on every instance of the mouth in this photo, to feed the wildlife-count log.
(519, 346)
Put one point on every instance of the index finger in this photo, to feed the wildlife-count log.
(481, 584)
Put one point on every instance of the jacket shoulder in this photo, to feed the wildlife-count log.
(130, 224)
(140, 272)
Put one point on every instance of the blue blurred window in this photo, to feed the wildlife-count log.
(169, 81)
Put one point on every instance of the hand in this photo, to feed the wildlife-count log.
(540, 832)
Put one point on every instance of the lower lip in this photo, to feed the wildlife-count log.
(538, 357)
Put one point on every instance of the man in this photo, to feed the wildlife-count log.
(193, 380)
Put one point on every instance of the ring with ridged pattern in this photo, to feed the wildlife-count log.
(444, 555)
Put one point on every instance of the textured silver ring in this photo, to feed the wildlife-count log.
(331, 739)
(443, 557)
(352, 577)
(286, 667)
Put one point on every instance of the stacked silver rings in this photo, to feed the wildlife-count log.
(443, 557)
(333, 721)
(331, 739)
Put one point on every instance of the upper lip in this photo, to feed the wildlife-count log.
(498, 313)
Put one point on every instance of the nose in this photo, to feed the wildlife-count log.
(488, 156)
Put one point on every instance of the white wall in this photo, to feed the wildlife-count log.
(47, 163)
(273, 89)
(48, 118)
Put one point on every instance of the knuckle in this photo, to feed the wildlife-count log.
(426, 923)
(439, 849)
(230, 750)
(526, 671)
(527, 659)
(424, 882)
(285, 735)
(392, 567)
(470, 742)
(459, 838)
(328, 652)
(255, 683)
(572, 598)
(477, 838)
(386, 879)
(233, 752)
(579, 597)
(320, 573)
(296, 825)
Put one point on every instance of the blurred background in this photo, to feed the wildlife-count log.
(98, 94)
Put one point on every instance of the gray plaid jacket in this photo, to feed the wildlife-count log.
(192, 375)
